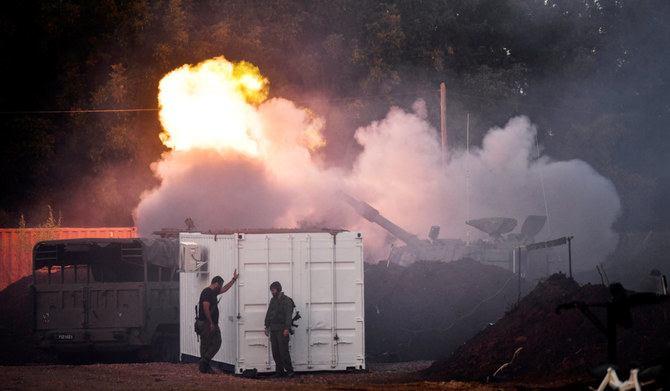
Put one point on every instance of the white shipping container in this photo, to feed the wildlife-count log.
(321, 271)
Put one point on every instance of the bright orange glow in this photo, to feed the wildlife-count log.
(209, 105)
(311, 137)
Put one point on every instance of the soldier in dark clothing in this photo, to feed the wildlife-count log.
(208, 320)
(278, 321)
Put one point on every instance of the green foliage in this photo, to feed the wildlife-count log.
(50, 228)
(382, 50)
(23, 243)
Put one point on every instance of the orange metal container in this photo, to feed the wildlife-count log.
(16, 246)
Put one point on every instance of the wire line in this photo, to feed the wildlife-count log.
(77, 111)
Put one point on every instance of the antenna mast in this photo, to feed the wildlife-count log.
(467, 175)
(544, 194)
(443, 122)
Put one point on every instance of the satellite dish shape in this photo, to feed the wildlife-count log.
(494, 226)
(531, 227)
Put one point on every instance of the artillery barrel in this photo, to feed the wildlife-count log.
(371, 214)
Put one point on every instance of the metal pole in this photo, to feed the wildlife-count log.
(268, 363)
(309, 303)
(333, 310)
(570, 256)
(443, 121)
(467, 176)
(519, 274)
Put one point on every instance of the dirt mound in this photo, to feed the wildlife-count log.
(426, 310)
(551, 346)
(16, 325)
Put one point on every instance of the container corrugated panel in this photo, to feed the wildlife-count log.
(16, 246)
(216, 249)
(322, 272)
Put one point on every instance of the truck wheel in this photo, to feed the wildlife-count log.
(145, 354)
(167, 350)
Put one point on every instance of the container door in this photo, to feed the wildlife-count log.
(318, 298)
(350, 343)
(325, 281)
(262, 260)
(332, 298)
(218, 256)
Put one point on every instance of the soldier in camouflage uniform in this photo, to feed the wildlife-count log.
(278, 321)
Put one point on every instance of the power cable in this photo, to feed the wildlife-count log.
(333, 100)
(78, 111)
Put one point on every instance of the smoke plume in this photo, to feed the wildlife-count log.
(399, 171)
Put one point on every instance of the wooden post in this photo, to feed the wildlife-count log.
(443, 121)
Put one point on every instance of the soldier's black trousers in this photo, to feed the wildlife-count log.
(280, 352)
(210, 342)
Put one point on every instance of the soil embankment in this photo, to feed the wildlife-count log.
(554, 346)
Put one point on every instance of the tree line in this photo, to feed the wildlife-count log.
(592, 74)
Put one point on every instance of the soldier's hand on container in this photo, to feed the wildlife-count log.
(285, 333)
(235, 274)
(267, 332)
(211, 327)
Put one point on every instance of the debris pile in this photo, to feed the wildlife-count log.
(533, 342)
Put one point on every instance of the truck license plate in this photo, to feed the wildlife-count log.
(64, 337)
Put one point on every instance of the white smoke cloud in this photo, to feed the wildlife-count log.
(399, 172)
(223, 189)
(215, 190)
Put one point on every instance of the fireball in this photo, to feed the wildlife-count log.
(211, 106)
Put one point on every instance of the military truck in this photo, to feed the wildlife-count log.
(107, 295)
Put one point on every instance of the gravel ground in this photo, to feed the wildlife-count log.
(163, 376)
